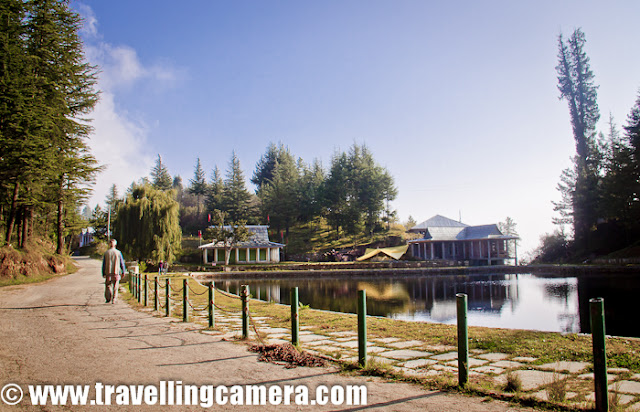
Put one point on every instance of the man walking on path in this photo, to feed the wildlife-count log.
(112, 270)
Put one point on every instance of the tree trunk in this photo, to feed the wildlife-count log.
(12, 212)
(60, 224)
(25, 226)
(19, 227)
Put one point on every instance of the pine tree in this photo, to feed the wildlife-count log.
(216, 192)
(47, 87)
(160, 177)
(236, 197)
(577, 87)
(311, 182)
(198, 186)
(281, 195)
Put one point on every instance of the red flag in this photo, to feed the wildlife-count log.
(209, 215)
(200, 234)
(268, 221)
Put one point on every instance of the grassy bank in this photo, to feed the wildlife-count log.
(35, 263)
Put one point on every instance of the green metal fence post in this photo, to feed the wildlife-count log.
(212, 321)
(139, 288)
(463, 340)
(245, 311)
(155, 294)
(146, 290)
(295, 320)
(596, 306)
(362, 328)
(130, 282)
(185, 301)
(168, 297)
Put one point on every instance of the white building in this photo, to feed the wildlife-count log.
(257, 249)
(447, 239)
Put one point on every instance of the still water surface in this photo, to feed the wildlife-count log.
(523, 301)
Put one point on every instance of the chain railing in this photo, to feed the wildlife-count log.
(139, 287)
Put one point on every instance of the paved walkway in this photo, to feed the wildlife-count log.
(415, 358)
(62, 332)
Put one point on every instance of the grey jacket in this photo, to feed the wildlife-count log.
(113, 263)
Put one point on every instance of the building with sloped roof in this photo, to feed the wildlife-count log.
(257, 249)
(447, 239)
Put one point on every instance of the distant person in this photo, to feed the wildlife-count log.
(112, 270)
(160, 268)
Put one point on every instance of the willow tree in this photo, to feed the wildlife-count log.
(148, 225)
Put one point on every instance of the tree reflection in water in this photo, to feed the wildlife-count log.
(523, 301)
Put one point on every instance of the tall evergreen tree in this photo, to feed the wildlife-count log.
(236, 198)
(311, 182)
(160, 177)
(267, 163)
(198, 185)
(577, 87)
(215, 193)
(47, 88)
(281, 195)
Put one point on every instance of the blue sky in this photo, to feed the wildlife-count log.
(458, 100)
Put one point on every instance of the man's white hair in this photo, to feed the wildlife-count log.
(113, 242)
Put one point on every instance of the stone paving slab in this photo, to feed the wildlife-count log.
(494, 356)
(351, 344)
(443, 368)
(507, 364)
(440, 348)
(526, 359)
(387, 340)
(590, 376)
(572, 367)
(446, 356)
(379, 359)
(406, 344)
(626, 387)
(349, 339)
(319, 342)
(419, 373)
(277, 341)
(622, 399)
(419, 363)
(405, 354)
(278, 335)
(311, 337)
(376, 349)
(532, 379)
(328, 348)
(617, 370)
(472, 362)
(489, 369)
(343, 333)
(633, 408)
(279, 330)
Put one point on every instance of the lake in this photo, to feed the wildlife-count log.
(515, 301)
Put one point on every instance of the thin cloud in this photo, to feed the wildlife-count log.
(119, 141)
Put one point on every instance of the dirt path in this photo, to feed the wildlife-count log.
(62, 332)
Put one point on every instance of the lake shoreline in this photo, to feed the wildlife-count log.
(272, 272)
